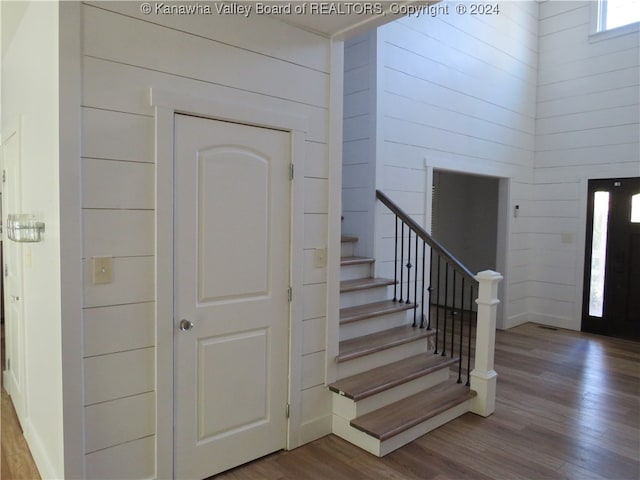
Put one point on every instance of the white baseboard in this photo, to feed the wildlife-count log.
(39, 453)
(514, 321)
(553, 321)
(543, 319)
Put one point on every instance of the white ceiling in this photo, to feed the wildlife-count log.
(346, 18)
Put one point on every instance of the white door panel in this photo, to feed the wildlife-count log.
(231, 276)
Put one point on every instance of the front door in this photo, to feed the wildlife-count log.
(611, 304)
(231, 281)
(14, 374)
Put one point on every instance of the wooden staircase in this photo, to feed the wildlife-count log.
(392, 388)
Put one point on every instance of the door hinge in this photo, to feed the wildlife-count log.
(291, 171)
(290, 294)
(9, 368)
(4, 176)
(6, 270)
(288, 410)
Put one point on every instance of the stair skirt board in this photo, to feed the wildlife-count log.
(374, 325)
(343, 429)
(350, 409)
(382, 357)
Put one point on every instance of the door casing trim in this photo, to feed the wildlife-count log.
(166, 105)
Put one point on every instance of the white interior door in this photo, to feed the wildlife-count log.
(231, 280)
(14, 373)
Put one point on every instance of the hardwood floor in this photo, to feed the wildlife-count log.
(16, 461)
(568, 407)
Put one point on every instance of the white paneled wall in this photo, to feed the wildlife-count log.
(587, 127)
(359, 140)
(457, 92)
(260, 62)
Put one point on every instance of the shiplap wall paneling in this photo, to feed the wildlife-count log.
(115, 86)
(257, 34)
(134, 134)
(102, 328)
(133, 282)
(118, 375)
(117, 184)
(458, 93)
(359, 141)
(120, 421)
(119, 174)
(134, 459)
(119, 38)
(587, 127)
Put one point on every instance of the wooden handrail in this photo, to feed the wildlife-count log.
(422, 233)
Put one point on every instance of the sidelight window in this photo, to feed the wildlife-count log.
(598, 253)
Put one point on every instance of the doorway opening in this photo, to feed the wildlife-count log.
(464, 217)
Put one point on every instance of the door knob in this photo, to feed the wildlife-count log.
(185, 325)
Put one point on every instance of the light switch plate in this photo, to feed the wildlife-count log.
(320, 257)
(102, 270)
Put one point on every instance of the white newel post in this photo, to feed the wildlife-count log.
(483, 376)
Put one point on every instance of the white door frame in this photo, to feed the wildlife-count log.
(503, 236)
(17, 392)
(166, 105)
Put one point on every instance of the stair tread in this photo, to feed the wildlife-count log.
(355, 260)
(364, 284)
(375, 342)
(400, 416)
(368, 310)
(348, 239)
(371, 382)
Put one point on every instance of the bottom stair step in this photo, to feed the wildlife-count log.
(400, 416)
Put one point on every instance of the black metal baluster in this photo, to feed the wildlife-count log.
(415, 284)
(446, 301)
(461, 331)
(395, 266)
(453, 312)
(408, 265)
(401, 259)
(437, 305)
(430, 286)
(470, 330)
(424, 248)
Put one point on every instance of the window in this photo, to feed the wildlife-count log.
(598, 253)
(635, 208)
(617, 13)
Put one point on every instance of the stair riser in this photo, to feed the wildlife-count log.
(362, 297)
(372, 445)
(374, 324)
(410, 435)
(347, 408)
(377, 359)
(340, 427)
(353, 272)
(347, 249)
